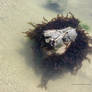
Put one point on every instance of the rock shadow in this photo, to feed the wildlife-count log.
(35, 57)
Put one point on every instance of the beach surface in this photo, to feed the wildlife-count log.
(15, 50)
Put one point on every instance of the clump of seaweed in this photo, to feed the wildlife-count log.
(73, 56)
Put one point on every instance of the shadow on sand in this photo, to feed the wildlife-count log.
(34, 59)
(58, 6)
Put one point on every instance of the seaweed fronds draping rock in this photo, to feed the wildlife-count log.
(73, 56)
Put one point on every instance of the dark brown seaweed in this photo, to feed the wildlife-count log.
(73, 56)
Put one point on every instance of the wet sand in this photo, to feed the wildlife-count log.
(16, 75)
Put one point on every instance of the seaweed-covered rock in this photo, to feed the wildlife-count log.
(74, 54)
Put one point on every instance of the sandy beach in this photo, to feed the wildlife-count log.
(15, 50)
